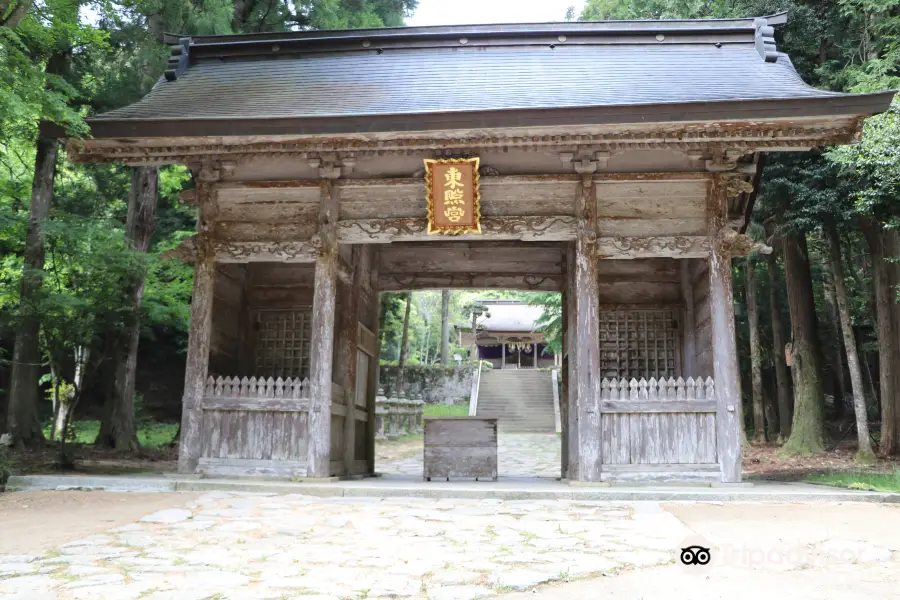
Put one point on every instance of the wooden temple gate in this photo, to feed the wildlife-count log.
(617, 166)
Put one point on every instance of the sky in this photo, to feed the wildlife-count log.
(465, 12)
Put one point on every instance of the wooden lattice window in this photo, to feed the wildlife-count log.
(282, 343)
(639, 342)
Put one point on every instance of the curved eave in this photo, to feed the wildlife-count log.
(862, 105)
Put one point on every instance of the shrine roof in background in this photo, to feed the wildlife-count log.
(507, 316)
(477, 76)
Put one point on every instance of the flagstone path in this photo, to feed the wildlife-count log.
(257, 547)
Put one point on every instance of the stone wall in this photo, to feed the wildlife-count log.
(434, 384)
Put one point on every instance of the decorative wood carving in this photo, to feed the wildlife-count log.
(531, 227)
(688, 246)
(735, 186)
(737, 137)
(729, 242)
(227, 252)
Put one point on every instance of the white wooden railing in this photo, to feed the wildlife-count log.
(658, 395)
(266, 394)
(252, 387)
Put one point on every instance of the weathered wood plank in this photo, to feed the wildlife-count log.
(460, 447)
(659, 407)
(256, 404)
(230, 467)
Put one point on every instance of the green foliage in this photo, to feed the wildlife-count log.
(862, 480)
(151, 434)
(550, 321)
(444, 410)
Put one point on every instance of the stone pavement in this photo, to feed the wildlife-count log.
(240, 546)
(518, 455)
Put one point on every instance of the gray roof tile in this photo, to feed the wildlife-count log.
(441, 80)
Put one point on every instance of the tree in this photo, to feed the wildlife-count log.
(808, 429)
(404, 343)
(550, 321)
(785, 412)
(445, 327)
(759, 427)
(864, 451)
(117, 429)
(88, 269)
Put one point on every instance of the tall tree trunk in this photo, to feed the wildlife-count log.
(445, 327)
(22, 418)
(837, 361)
(782, 382)
(117, 429)
(856, 380)
(759, 419)
(404, 343)
(888, 352)
(808, 431)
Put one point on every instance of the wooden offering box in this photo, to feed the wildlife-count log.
(460, 447)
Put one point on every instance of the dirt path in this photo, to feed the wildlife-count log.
(34, 522)
(826, 552)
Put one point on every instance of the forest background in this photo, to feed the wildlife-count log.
(75, 264)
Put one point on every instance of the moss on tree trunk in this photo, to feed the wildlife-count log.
(808, 428)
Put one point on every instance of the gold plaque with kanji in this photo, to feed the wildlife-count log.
(453, 195)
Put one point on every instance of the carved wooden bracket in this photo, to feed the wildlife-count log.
(735, 186)
(729, 242)
(186, 251)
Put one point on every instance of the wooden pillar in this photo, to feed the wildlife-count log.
(572, 364)
(374, 320)
(200, 331)
(502, 355)
(347, 357)
(321, 347)
(688, 323)
(587, 333)
(564, 396)
(724, 341)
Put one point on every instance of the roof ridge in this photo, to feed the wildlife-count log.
(500, 29)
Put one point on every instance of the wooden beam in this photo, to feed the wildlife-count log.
(199, 333)
(318, 461)
(388, 282)
(724, 342)
(552, 228)
(681, 246)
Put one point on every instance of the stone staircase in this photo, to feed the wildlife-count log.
(521, 399)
